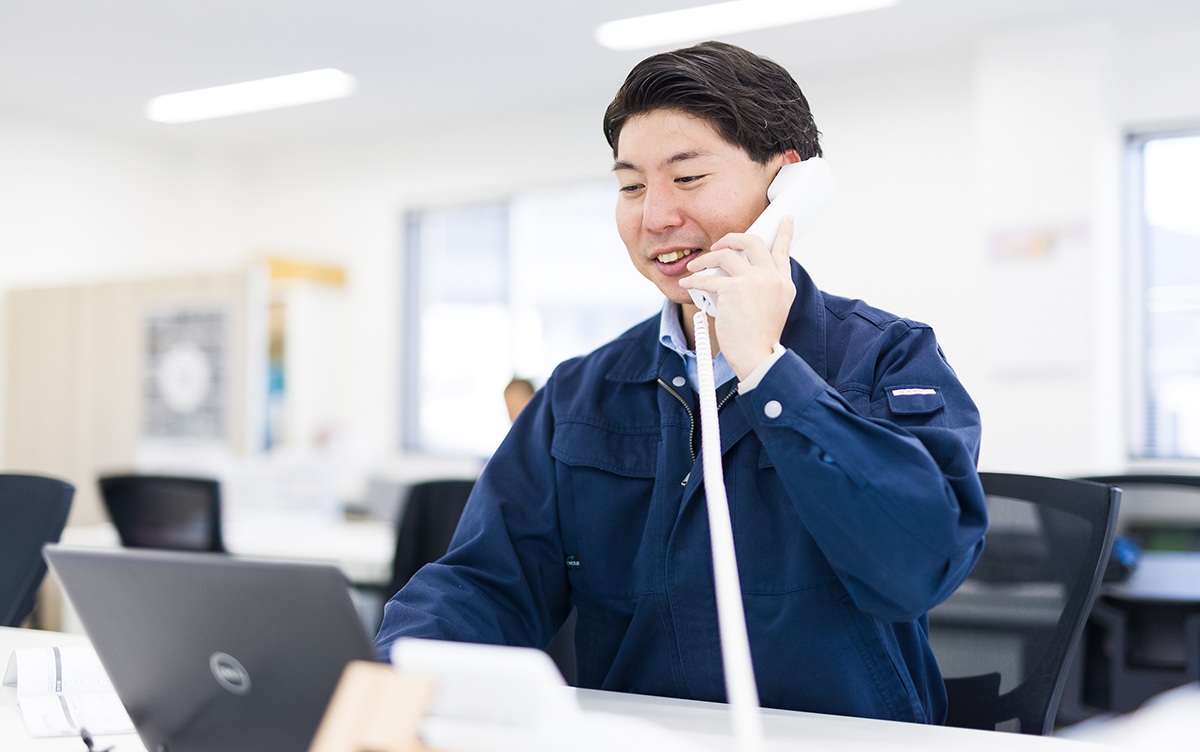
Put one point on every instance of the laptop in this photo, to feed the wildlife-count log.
(211, 652)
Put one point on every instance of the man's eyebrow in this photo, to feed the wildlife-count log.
(682, 156)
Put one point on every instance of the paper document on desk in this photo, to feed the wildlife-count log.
(60, 690)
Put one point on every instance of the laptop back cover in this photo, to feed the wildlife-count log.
(209, 652)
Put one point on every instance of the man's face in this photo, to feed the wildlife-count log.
(683, 188)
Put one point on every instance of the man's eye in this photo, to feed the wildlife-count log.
(688, 178)
(630, 188)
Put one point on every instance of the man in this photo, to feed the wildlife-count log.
(849, 445)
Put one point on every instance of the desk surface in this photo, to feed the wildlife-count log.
(708, 723)
(13, 735)
(363, 550)
(1163, 576)
(704, 722)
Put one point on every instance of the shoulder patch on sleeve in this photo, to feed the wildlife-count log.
(914, 400)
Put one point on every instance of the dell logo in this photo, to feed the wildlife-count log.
(229, 673)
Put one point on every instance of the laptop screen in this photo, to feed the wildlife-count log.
(211, 652)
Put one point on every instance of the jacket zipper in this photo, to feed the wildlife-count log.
(692, 419)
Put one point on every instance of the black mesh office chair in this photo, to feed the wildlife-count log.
(160, 511)
(33, 512)
(426, 526)
(1003, 639)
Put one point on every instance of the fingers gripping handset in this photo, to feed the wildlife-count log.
(803, 190)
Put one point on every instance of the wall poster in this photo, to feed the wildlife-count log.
(186, 374)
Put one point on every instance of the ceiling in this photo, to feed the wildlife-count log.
(95, 63)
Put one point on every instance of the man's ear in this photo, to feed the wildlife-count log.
(791, 157)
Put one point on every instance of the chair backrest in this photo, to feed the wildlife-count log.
(161, 511)
(1003, 639)
(1160, 512)
(33, 512)
(426, 526)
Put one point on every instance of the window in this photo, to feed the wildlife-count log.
(1165, 174)
(505, 289)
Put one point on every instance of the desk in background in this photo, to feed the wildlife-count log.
(704, 722)
(1161, 576)
(1143, 636)
(362, 549)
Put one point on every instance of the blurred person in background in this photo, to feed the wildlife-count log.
(516, 395)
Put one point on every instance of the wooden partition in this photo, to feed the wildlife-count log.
(77, 374)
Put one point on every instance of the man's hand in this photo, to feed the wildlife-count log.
(754, 300)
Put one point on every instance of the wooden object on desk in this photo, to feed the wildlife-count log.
(374, 709)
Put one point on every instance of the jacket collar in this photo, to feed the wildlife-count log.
(644, 357)
(804, 333)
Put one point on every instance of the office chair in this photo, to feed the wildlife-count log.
(160, 511)
(426, 526)
(33, 512)
(1003, 639)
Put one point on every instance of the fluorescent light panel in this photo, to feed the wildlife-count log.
(251, 96)
(709, 21)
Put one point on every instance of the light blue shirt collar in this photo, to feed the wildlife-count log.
(670, 334)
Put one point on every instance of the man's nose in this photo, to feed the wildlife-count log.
(660, 211)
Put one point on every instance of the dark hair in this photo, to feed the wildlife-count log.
(751, 101)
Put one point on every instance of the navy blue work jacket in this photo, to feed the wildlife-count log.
(855, 510)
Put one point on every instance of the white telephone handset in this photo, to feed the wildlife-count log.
(802, 189)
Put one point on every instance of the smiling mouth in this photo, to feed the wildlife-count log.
(667, 258)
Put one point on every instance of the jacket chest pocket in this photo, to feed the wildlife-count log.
(606, 486)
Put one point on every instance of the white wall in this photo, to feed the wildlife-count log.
(80, 207)
(935, 156)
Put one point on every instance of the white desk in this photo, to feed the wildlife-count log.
(704, 722)
(13, 735)
(363, 550)
(708, 724)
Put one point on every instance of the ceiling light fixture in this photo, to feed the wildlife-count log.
(709, 21)
(251, 96)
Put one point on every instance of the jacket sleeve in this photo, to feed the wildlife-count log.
(889, 491)
(503, 580)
